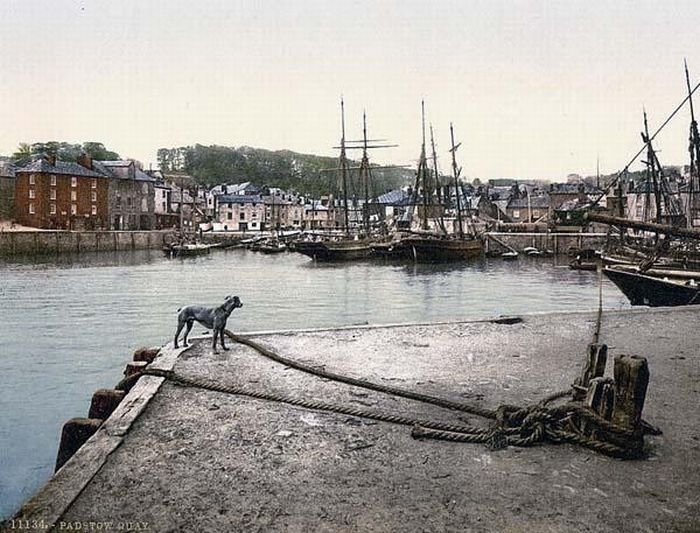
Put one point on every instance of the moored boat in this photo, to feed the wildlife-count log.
(654, 291)
(187, 250)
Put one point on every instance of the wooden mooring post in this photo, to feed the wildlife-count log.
(75, 433)
(631, 381)
(594, 367)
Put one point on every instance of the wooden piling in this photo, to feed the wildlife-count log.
(594, 367)
(601, 396)
(146, 354)
(74, 434)
(631, 381)
(104, 402)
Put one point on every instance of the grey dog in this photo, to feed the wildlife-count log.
(210, 317)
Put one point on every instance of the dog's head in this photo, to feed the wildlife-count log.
(233, 302)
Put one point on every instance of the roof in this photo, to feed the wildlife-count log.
(535, 202)
(118, 163)
(61, 167)
(140, 175)
(396, 196)
(240, 199)
(7, 169)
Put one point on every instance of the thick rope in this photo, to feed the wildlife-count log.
(310, 404)
(457, 406)
(513, 425)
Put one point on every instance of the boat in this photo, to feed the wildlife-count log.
(586, 259)
(272, 247)
(654, 291)
(187, 250)
(350, 246)
(509, 256)
(428, 246)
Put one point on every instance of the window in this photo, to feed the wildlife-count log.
(230, 215)
(74, 196)
(94, 209)
(31, 208)
(93, 196)
(32, 179)
(32, 193)
(94, 183)
(119, 200)
(255, 214)
(242, 216)
(516, 213)
(536, 213)
(74, 181)
(53, 180)
(128, 201)
(52, 194)
(73, 209)
(53, 209)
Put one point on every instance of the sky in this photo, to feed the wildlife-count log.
(535, 89)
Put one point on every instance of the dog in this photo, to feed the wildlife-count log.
(210, 317)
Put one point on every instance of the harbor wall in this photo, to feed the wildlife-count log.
(559, 243)
(13, 243)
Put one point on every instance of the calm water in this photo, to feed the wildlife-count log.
(70, 324)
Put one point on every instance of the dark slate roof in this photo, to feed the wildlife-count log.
(61, 167)
(394, 197)
(140, 175)
(239, 199)
(536, 202)
(117, 163)
(7, 169)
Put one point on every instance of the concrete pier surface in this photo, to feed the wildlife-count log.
(176, 458)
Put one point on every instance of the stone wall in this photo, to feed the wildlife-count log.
(55, 242)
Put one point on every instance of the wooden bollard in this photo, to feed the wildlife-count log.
(594, 367)
(146, 354)
(601, 396)
(631, 381)
(104, 402)
(75, 433)
(134, 367)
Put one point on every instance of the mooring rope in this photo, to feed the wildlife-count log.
(514, 426)
(396, 391)
(511, 425)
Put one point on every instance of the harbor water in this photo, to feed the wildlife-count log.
(70, 323)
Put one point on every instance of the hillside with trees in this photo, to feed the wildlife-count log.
(309, 174)
(63, 151)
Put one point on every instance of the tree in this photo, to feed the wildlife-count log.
(97, 151)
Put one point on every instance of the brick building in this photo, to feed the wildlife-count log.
(7, 190)
(61, 195)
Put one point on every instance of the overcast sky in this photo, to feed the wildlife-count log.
(535, 89)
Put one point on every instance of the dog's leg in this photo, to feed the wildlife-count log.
(221, 337)
(190, 323)
(180, 323)
(213, 342)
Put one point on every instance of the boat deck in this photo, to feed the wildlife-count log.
(196, 460)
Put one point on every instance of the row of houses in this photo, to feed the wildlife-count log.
(119, 195)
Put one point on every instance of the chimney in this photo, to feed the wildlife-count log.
(84, 160)
(51, 158)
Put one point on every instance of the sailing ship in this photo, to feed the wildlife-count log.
(428, 245)
(350, 246)
(668, 274)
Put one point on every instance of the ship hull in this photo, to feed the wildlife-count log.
(641, 289)
(433, 250)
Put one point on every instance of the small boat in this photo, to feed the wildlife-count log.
(654, 291)
(186, 250)
(531, 251)
(586, 259)
(272, 247)
(509, 256)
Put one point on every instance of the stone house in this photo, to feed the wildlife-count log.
(240, 212)
(131, 194)
(528, 208)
